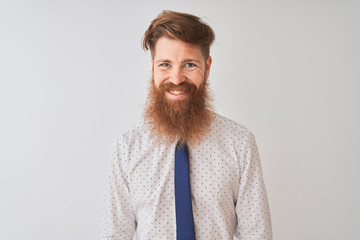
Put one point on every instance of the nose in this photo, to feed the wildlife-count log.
(177, 76)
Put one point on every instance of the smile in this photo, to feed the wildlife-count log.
(176, 92)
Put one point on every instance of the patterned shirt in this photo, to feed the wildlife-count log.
(227, 189)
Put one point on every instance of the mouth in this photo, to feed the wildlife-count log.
(175, 94)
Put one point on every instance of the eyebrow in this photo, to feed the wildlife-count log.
(183, 61)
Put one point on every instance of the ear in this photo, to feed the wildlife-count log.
(208, 66)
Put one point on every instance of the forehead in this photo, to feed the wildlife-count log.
(173, 48)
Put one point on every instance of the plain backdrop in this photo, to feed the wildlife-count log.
(73, 76)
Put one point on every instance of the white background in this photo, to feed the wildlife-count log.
(73, 75)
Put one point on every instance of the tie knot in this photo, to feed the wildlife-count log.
(181, 147)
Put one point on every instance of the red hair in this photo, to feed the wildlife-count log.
(181, 26)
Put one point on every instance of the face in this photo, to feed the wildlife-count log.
(179, 104)
(177, 62)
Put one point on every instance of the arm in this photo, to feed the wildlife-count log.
(252, 208)
(118, 218)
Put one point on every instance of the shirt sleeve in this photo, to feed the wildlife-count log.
(252, 208)
(118, 218)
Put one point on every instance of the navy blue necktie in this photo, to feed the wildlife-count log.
(184, 215)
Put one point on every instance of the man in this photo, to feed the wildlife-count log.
(185, 172)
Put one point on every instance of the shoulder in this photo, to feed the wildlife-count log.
(234, 136)
(138, 134)
(227, 126)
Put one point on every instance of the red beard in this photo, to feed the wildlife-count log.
(186, 120)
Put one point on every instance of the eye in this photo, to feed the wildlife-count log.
(190, 65)
(164, 65)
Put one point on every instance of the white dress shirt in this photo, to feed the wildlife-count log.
(227, 189)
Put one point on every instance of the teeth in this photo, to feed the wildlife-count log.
(176, 92)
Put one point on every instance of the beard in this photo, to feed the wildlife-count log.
(186, 120)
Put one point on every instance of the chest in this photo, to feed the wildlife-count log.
(214, 174)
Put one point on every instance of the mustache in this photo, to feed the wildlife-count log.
(186, 87)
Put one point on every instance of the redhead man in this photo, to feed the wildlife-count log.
(184, 172)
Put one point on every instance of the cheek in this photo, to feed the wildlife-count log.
(158, 78)
(197, 79)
